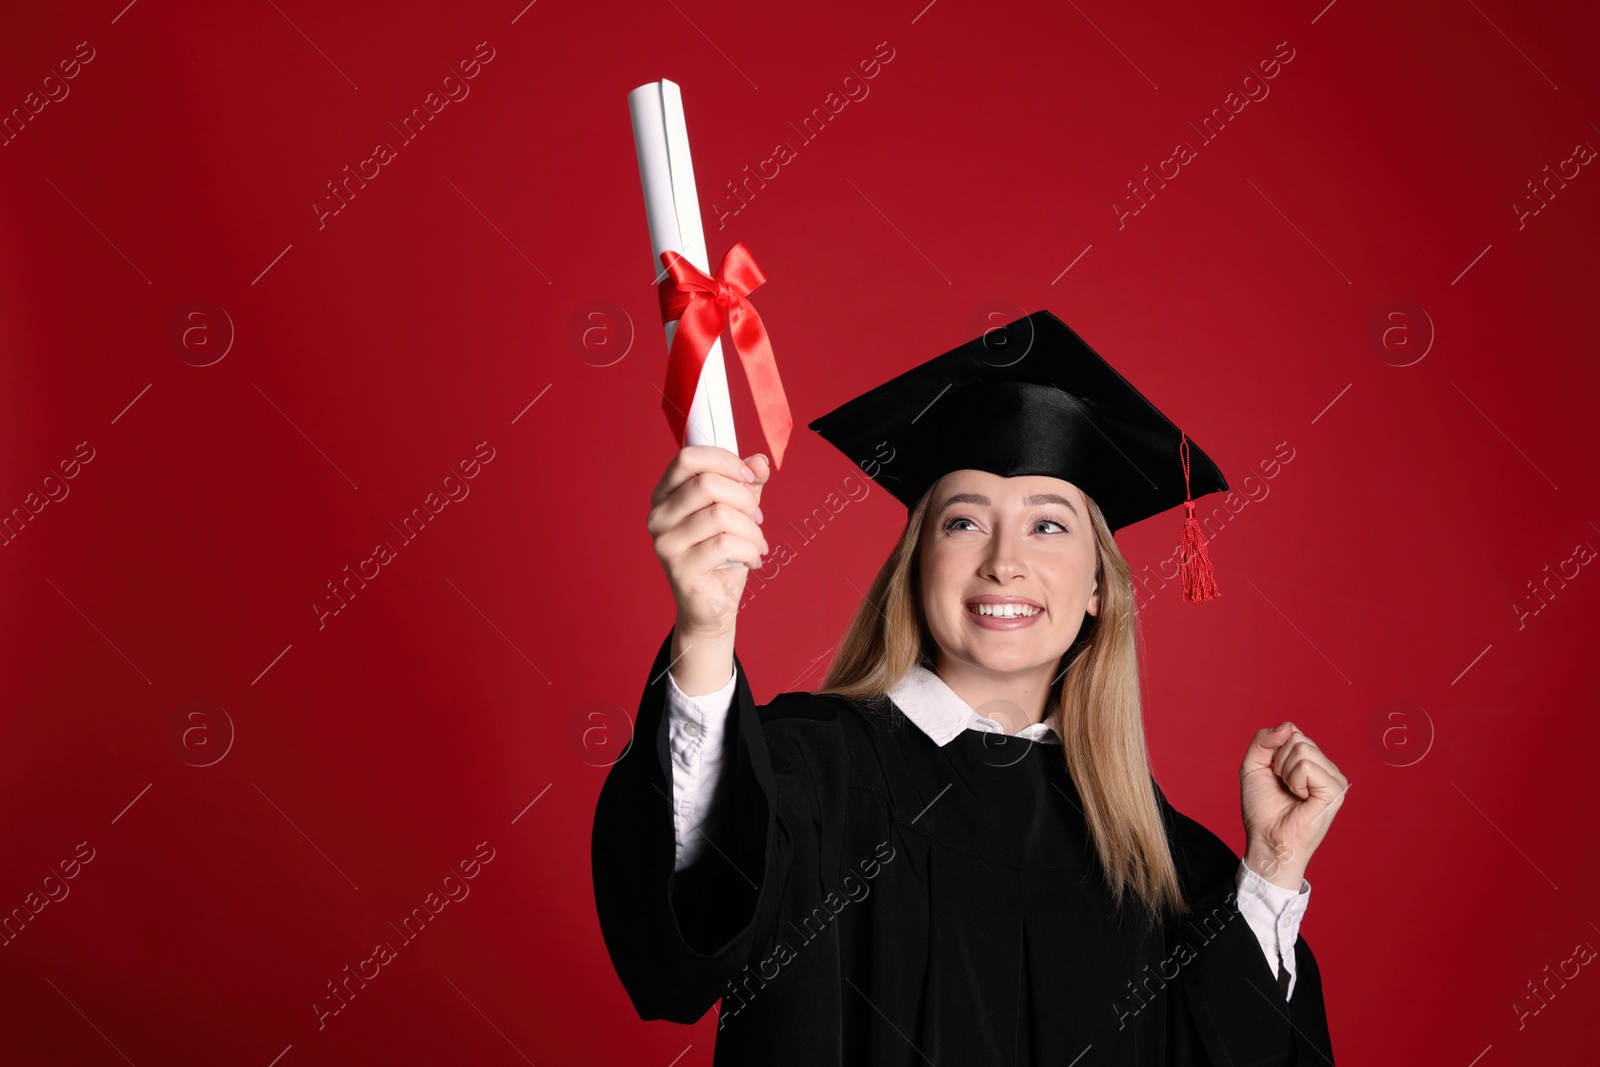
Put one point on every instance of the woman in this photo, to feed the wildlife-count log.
(954, 852)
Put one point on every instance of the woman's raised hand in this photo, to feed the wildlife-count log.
(705, 511)
(1289, 792)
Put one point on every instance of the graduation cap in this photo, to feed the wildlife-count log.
(1031, 397)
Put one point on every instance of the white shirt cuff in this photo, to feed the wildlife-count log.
(1274, 913)
(694, 738)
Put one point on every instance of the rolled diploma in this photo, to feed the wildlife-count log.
(672, 209)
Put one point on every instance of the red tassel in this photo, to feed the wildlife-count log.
(1199, 580)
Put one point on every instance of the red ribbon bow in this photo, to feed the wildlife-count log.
(703, 306)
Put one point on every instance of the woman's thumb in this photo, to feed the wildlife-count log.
(761, 466)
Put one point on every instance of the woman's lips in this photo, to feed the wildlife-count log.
(990, 622)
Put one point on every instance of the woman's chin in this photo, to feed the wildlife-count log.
(1006, 661)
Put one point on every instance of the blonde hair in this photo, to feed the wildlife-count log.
(1098, 692)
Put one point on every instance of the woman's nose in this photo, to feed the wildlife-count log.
(1003, 559)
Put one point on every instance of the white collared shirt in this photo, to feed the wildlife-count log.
(695, 732)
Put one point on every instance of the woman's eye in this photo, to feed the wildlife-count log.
(950, 524)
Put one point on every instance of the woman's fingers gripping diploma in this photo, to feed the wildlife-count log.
(705, 511)
(1289, 792)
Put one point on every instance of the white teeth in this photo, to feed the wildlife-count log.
(1006, 611)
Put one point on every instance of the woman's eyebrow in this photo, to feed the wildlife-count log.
(1036, 498)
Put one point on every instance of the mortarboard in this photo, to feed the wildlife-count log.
(1031, 397)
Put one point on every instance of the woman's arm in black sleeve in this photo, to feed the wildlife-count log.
(1231, 1002)
(675, 939)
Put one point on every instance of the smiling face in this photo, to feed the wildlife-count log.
(990, 541)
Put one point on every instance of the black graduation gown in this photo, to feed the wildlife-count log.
(873, 898)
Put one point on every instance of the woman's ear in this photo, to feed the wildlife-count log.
(1094, 600)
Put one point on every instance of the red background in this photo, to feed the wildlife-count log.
(372, 754)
